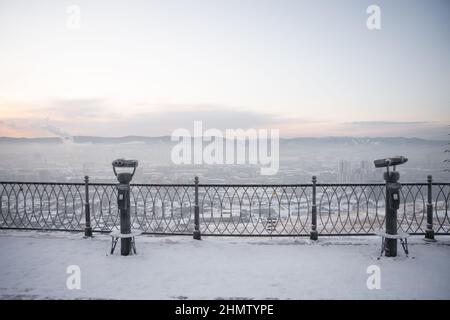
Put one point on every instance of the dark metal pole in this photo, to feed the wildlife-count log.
(197, 235)
(87, 209)
(314, 234)
(125, 218)
(429, 232)
(123, 201)
(392, 186)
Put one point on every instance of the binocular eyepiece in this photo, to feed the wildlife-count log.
(394, 161)
(122, 163)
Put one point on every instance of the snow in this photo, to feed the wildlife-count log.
(33, 265)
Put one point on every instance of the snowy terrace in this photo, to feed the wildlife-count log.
(34, 264)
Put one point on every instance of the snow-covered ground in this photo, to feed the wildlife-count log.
(33, 265)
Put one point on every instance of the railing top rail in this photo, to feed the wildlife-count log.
(317, 184)
(44, 183)
(160, 184)
(243, 185)
(100, 184)
(240, 185)
(350, 184)
(382, 184)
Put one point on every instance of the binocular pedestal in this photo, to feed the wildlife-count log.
(392, 200)
(392, 205)
(123, 202)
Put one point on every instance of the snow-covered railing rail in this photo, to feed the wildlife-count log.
(225, 210)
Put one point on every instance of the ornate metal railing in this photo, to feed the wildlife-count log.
(241, 210)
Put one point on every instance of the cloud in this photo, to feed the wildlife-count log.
(163, 122)
(101, 117)
(422, 129)
(8, 124)
(75, 108)
(387, 123)
(214, 118)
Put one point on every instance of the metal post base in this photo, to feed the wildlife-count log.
(197, 235)
(88, 232)
(429, 236)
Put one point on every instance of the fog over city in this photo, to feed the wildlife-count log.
(333, 160)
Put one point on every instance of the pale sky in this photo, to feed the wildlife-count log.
(308, 68)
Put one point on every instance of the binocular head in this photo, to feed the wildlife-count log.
(387, 162)
(122, 163)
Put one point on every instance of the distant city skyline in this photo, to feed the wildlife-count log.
(308, 68)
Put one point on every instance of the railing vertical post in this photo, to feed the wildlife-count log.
(197, 235)
(429, 232)
(87, 209)
(314, 234)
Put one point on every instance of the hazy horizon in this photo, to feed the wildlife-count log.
(168, 136)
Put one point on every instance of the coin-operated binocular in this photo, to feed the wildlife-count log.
(391, 178)
(123, 199)
(394, 161)
(393, 188)
(124, 177)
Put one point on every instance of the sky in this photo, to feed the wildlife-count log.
(307, 68)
